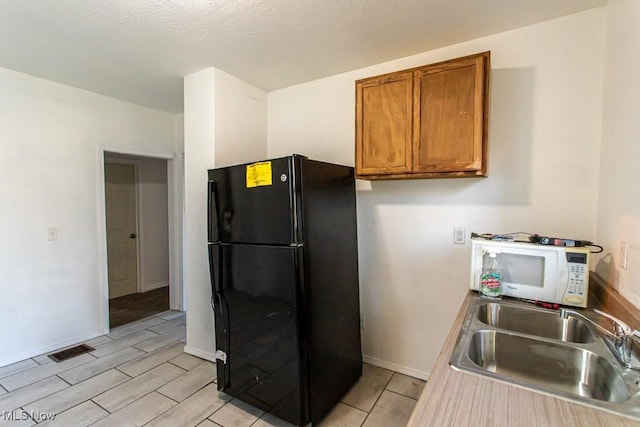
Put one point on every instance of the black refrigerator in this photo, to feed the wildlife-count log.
(283, 260)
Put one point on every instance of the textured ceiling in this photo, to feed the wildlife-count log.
(139, 50)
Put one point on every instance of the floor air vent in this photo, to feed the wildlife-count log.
(70, 352)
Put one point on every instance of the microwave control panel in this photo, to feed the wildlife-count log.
(578, 273)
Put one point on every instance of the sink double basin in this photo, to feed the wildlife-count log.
(547, 324)
(535, 348)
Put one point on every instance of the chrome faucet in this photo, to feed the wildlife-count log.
(620, 338)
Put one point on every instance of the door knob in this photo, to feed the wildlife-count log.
(132, 235)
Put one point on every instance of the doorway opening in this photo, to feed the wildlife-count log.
(137, 226)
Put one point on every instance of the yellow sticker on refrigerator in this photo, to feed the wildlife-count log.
(259, 174)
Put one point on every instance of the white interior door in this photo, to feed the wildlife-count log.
(122, 252)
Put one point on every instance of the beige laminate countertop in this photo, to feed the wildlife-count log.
(454, 398)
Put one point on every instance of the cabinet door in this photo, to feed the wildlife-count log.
(450, 124)
(384, 124)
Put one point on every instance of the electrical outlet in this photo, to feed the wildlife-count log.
(52, 233)
(459, 235)
(623, 255)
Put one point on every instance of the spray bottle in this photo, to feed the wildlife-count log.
(491, 280)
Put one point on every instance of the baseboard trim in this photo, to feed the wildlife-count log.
(367, 359)
(200, 353)
(395, 367)
(48, 349)
(153, 287)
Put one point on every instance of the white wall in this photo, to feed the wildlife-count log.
(543, 173)
(175, 178)
(619, 196)
(154, 226)
(199, 140)
(225, 123)
(240, 122)
(51, 139)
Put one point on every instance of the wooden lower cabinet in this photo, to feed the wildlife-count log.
(425, 122)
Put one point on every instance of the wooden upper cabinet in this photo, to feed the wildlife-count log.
(384, 118)
(426, 122)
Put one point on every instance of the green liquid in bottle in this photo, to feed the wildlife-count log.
(491, 280)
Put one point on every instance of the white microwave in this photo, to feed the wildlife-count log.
(555, 274)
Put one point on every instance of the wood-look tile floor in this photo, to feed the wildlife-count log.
(138, 375)
(132, 307)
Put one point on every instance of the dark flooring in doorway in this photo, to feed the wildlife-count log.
(133, 307)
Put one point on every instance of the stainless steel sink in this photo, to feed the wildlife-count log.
(550, 365)
(535, 348)
(535, 322)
